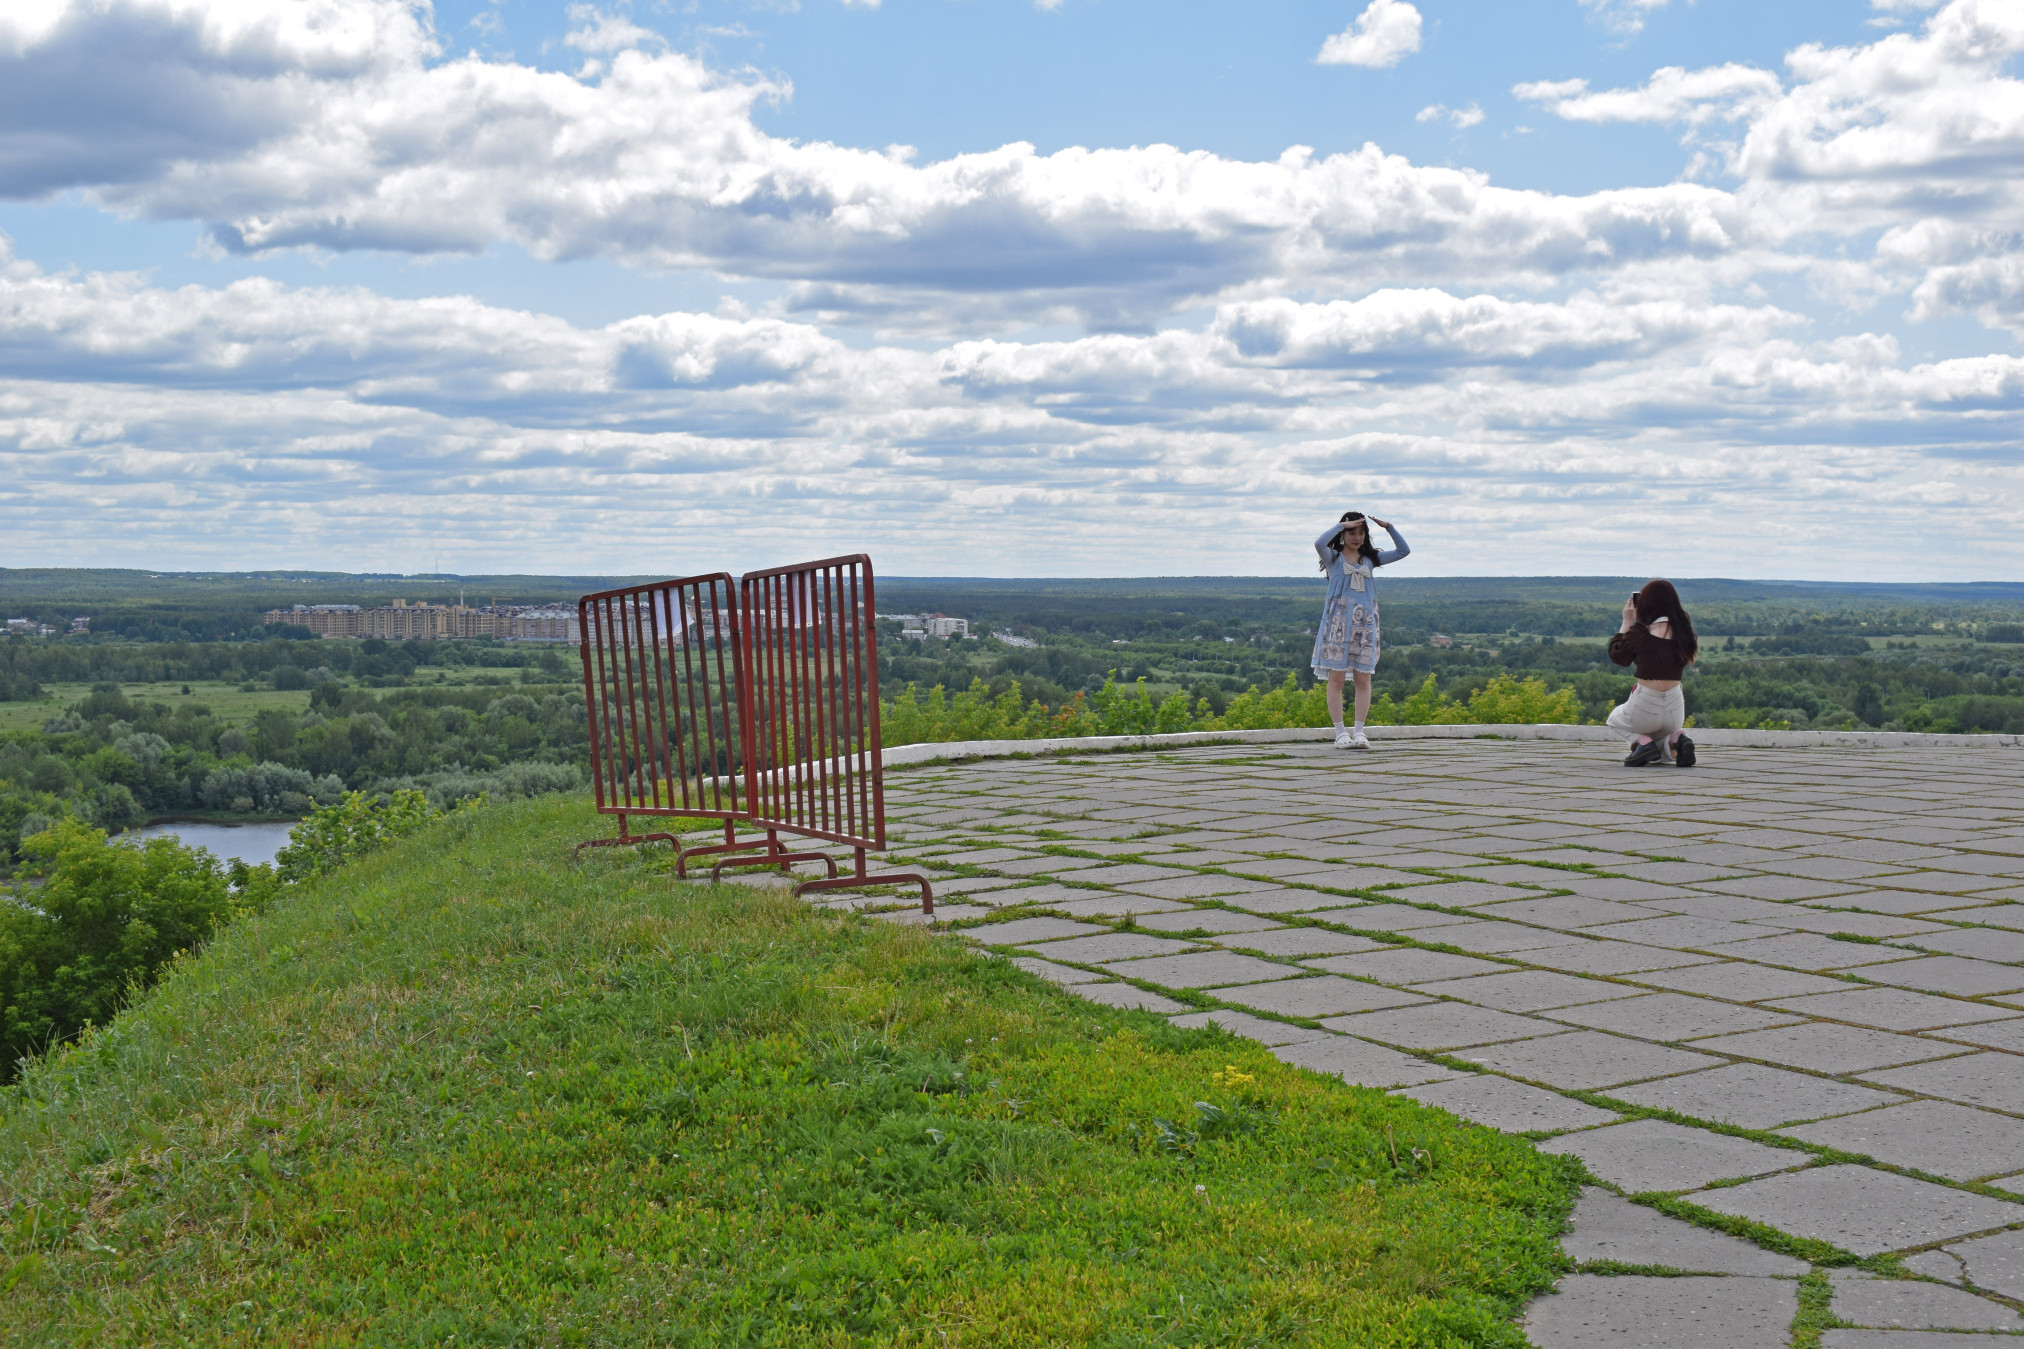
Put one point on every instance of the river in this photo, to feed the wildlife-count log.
(250, 843)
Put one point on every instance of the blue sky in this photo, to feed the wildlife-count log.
(1576, 286)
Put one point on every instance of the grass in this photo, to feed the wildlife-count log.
(226, 702)
(464, 1090)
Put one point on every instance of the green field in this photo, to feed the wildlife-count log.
(463, 1092)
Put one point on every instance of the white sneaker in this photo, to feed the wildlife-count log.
(1343, 740)
(1358, 740)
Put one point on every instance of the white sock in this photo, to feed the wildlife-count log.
(1338, 725)
(1359, 723)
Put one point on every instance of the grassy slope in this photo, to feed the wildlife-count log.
(463, 1089)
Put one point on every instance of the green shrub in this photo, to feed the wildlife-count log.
(104, 922)
(355, 826)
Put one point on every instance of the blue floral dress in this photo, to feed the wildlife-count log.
(1348, 636)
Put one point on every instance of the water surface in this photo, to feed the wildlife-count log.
(250, 843)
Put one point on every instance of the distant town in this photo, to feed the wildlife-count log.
(404, 622)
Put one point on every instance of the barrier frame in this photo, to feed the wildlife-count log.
(658, 746)
(814, 764)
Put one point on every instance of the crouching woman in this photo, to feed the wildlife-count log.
(1658, 639)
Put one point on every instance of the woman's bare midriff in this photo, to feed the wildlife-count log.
(1660, 685)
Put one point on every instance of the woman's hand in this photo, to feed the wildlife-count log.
(1629, 614)
(1385, 525)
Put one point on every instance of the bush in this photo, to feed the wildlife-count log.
(105, 921)
(2003, 632)
(268, 788)
(352, 828)
(456, 785)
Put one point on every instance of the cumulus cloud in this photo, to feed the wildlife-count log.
(1626, 17)
(1461, 118)
(1673, 94)
(1383, 35)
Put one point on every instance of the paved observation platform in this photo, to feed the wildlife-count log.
(1784, 987)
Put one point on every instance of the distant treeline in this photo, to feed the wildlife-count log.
(115, 761)
(25, 665)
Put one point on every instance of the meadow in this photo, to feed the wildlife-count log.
(462, 1091)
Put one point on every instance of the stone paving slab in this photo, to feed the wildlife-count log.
(1895, 1009)
(1827, 1047)
(1811, 951)
(1023, 930)
(1995, 1081)
(1124, 995)
(1569, 912)
(1326, 995)
(1131, 873)
(1938, 1137)
(1268, 1033)
(1612, 957)
(1753, 1096)
(1983, 943)
(1905, 1339)
(1903, 931)
(1206, 920)
(1113, 904)
(1391, 918)
(2006, 1034)
(1901, 902)
(1203, 886)
(1671, 1016)
(1733, 908)
(1408, 965)
(1511, 1107)
(1527, 990)
(1362, 1064)
(1607, 1227)
(1204, 969)
(1283, 900)
(1650, 1154)
(1439, 1026)
(1065, 975)
(1685, 932)
(1995, 1263)
(1468, 894)
(1586, 1060)
(1951, 974)
(1639, 1312)
(1862, 1210)
(1043, 866)
(1905, 1304)
(1110, 946)
(1303, 941)
(1495, 938)
(1740, 981)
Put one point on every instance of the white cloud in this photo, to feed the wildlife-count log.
(1622, 16)
(1671, 95)
(1383, 35)
(598, 31)
(1461, 118)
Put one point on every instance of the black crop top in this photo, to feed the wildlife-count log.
(1656, 657)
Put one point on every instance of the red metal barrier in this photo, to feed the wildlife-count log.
(663, 682)
(813, 765)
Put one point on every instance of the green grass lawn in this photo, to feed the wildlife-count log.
(462, 1092)
(226, 702)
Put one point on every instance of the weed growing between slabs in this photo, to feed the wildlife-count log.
(461, 1088)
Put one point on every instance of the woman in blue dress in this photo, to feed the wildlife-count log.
(1346, 641)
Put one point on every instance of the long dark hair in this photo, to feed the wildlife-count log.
(1369, 549)
(1659, 600)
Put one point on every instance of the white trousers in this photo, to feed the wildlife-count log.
(1647, 712)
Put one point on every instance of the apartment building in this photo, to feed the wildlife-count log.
(404, 622)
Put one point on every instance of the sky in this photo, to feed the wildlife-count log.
(1013, 287)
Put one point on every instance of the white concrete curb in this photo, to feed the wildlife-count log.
(901, 755)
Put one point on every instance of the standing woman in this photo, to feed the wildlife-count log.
(1659, 638)
(1346, 641)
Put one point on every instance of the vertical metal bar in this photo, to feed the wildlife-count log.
(861, 618)
(689, 745)
(647, 630)
(590, 703)
(804, 671)
(875, 749)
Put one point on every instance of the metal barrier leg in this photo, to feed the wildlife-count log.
(774, 856)
(624, 840)
(859, 879)
(731, 844)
